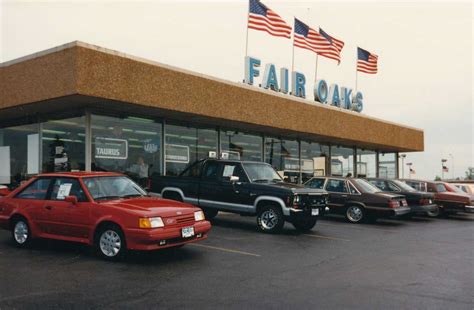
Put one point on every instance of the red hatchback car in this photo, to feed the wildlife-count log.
(107, 210)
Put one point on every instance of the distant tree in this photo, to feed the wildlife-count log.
(438, 178)
(470, 173)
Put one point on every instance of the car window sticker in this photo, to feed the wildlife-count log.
(64, 190)
(228, 171)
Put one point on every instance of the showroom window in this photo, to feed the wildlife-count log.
(63, 143)
(19, 154)
(387, 165)
(185, 145)
(314, 160)
(283, 155)
(131, 145)
(241, 146)
(342, 161)
(366, 163)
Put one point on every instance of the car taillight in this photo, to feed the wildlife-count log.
(393, 204)
(296, 201)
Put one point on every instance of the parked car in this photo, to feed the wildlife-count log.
(468, 188)
(359, 200)
(448, 202)
(107, 210)
(246, 188)
(454, 189)
(419, 202)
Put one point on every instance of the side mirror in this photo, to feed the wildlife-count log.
(234, 179)
(71, 199)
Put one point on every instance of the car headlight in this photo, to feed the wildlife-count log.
(152, 222)
(199, 216)
(296, 199)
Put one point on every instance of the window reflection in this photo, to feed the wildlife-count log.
(185, 145)
(241, 146)
(284, 157)
(342, 161)
(366, 164)
(387, 165)
(314, 160)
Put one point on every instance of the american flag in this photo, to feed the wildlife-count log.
(263, 19)
(445, 169)
(366, 62)
(412, 171)
(308, 38)
(338, 44)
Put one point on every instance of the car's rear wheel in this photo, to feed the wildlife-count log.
(110, 242)
(270, 219)
(355, 214)
(210, 213)
(304, 225)
(21, 232)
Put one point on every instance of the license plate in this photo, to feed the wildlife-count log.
(187, 232)
(314, 212)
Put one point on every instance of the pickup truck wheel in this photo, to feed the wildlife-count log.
(21, 232)
(270, 219)
(210, 214)
(304, 225)
(355, 214)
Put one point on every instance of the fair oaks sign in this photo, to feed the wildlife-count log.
(324, 93)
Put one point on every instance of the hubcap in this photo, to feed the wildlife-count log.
(110, 243)
(20, 232)
(269, 219)
(354, 214)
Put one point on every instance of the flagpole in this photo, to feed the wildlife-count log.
(316, 70)
(247, 35)
(293, 53)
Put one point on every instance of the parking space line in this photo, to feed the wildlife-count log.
(224, 249)
(352, 226)
(325, 237)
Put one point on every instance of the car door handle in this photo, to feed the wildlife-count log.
(344, 196)
(48, 208)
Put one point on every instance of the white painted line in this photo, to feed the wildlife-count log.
(357, 226)
(224, 249)
(325, 237)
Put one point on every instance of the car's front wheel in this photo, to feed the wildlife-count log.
(270, 219)
(355, 214)
(434, 213)
(21, 232)
(304, 225)
(110, 242)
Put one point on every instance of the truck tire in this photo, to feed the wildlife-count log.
(210, 213)
(270, 219)
(304, 225)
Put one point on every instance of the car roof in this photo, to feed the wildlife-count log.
(236, 161)
(80, 174)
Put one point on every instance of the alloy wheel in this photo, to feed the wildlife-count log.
(110, 243)
(354, 214)
(21, 232)
(269, 219)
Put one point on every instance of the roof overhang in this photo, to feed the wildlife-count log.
(82, 75)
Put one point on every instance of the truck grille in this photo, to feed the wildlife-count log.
(313, 200)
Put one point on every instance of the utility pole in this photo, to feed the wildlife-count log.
(402, 156)
(452, 165)
(442, 168)
(409, 169)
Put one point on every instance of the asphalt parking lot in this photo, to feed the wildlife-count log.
(419, 263)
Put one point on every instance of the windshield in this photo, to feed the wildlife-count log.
(103, 188)
(365, 186)
(441, 188)
(260, 172)
(455, 189)
(405, 187)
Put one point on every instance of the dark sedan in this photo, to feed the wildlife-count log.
(419, 202)
(359, 200)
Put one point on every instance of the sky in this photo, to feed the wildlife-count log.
(425, 77)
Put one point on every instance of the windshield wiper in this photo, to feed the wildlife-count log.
(132, 195)
(278, 180)
(261, 180)
(106, 197)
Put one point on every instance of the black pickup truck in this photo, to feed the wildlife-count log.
(246, 188)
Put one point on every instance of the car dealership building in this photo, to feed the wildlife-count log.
(83, 107)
